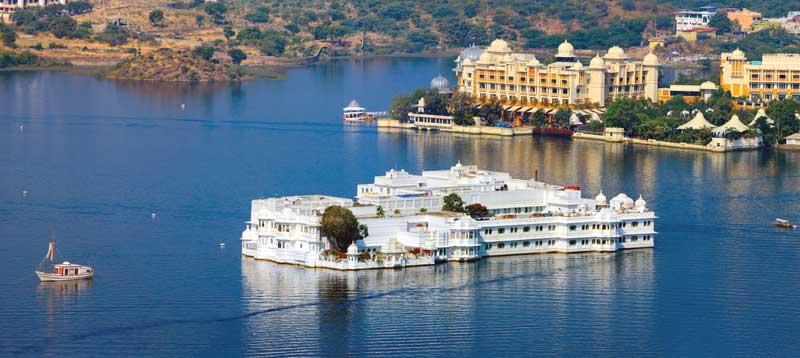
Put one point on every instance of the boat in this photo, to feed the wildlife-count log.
(64, 271)
(785, 224)
(354, 112)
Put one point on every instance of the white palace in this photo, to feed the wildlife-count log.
(528, 217)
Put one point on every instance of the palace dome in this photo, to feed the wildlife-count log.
(565, 50)
(352, 250)
(601, 199)
(597, 62)
(641, 203)
(616, 53)
(472, 53)
(737, 54)
(534, 62)
(650, 59)
(577, 66)
(499, 46)
(440, 84)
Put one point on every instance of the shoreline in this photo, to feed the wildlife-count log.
(387, 124)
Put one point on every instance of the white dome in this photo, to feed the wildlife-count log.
(601, 199)
(440, 84)
(499, 46)
(577, 66)
(534, 62)
(737, 54)
(565, 50)
(352, 249)
(472, 53)
(616, 53)
(708, 85)
(650, 59)
(467, 61)
(597, 62)
(641, 203)
(485, 57)
(621, 201)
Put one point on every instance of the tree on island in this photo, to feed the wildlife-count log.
(453, 202)
(341, 227)
(478, 211)
(379, 212)
(156, 17)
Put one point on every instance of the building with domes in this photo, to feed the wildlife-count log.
(775, 76)
(526, 217)
(498, 73)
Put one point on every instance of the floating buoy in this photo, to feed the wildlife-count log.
(24, 193)
(221, 244)
(21, 128)
(183, 105)
(153, 216)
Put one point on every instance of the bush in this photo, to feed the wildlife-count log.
(206, 52)
(260, 15)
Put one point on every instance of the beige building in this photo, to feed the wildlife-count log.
(776, 76)
(745, 18)
(520, 78)
(8, 7)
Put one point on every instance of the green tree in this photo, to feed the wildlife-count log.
(63, 26)
(216, 10)
(156, 17)
(340, 226)
(228, 32)
(453, 202)
(462, 109)
(260, 15)
(8, 35)
(206, 52)
(200, 20)
(783, 113)
(379, 212)
(491, 112)
(721, 22)
(237, 56)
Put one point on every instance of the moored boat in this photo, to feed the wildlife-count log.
(64, 271)
(785, 224)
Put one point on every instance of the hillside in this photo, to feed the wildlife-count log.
(293, 32)
(175, 66)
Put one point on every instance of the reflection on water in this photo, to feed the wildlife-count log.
(388, 311)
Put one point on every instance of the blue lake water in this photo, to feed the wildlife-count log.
(97, 157)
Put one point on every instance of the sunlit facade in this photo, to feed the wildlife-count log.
(498, 73)
(776, 76)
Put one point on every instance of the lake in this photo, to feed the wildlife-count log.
(97, 157)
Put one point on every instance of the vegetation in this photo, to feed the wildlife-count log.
(647, 120)
(175, 65)
(156, 17)
(453, 202)
(237, 56)
(18, 59)
(341, 227)
(477, 211)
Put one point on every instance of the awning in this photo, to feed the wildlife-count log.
(533, 110)
(513, 109)
(523, 109)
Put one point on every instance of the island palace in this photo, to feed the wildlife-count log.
(528, 217)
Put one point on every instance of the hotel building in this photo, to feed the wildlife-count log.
(690, 20)
(529, 217)
(776, 76)
(511, 77)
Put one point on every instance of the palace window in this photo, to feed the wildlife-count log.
(572, 227)
(501, 245)
(526, 243)
(526, 229)
(501, 231)
(572, 242)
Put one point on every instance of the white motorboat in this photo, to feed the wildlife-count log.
(64, 271)
(354, 112)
